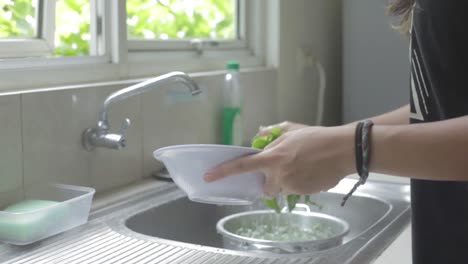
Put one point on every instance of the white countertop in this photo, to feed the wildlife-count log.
(399, 251)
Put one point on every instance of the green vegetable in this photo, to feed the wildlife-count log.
(310, 202)
(292, 200)
(272, 204)
(260, 142)
(276, 132)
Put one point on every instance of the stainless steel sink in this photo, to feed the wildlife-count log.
(376, 215)
(159, 225)
(185, 221)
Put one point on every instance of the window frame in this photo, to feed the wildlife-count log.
(249, 51)
(41, 44)
(99, 43)
(198, 44)
(30, 47)
(114, 60)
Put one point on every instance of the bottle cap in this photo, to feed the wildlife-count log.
(232, 65)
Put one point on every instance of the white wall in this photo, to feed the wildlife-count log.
(375, 61)
(375, 64)
(310, 26)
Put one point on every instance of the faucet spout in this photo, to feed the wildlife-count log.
(99, 137)
(142, 87)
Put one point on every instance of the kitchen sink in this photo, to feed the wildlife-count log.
(158, 224)
(186, 221)
(376, 215)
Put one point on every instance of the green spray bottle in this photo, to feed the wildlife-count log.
(232, 124)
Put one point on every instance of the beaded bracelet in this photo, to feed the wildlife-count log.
(362, 148)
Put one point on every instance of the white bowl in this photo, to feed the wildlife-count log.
(187, 164)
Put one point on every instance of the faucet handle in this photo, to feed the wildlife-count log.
(121, 141)
(124, 126)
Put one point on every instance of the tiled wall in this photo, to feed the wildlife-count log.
(10, 149)
(41, 131)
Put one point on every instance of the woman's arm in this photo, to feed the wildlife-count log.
(399, 116)
(313, 159)
(431, 151)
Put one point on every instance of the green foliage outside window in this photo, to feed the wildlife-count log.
(17, 18)
(147, 19)
(72, 18)
(179, 19)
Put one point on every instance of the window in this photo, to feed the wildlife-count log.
(45, 28)
(92, 40)
(182, 19)
(72, 34)
(18, 19)
(184, 24)
(180, 24)
(19, 28)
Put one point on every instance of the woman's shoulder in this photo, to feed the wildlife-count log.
(443, 9)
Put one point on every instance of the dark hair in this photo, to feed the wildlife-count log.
(403, 9)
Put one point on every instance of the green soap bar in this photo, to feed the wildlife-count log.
(28, 206)
(30, 219)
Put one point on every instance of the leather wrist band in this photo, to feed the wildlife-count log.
(362, 148)
(366, 150)
(358, 147)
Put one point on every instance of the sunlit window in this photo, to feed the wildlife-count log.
(69, 28)
(72, 27)
(18, 19)
(57, 42)
(182, 19)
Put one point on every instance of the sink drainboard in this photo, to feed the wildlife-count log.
(145, 230)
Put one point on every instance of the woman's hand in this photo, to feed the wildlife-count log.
(284, 126)
(302, 161)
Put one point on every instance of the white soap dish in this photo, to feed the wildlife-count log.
(45, 211)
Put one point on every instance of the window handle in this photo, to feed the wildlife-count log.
(200, 44)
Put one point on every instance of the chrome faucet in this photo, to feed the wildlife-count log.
(100, 136)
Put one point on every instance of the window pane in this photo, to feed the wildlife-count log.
(182, 19)
(18, 18)
(72, 31)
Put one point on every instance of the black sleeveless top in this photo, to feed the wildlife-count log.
(439, 91)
